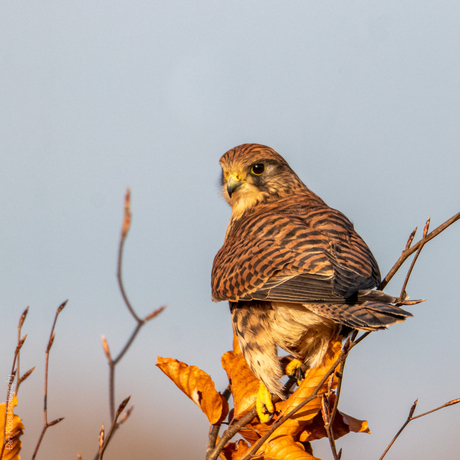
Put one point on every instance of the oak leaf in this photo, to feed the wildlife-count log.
(198, 386)
(13, 429)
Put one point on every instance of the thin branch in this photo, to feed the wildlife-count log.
(124, 233)
(113, 428)
(331, 415)
(112, 362)
(19, 378)
(402, 296)
(326, 414)
(101, 442)
(140, 322)
(13, 374)
(7, 404)
(410, 417)
(214, 429)
(409, 251)
(46, 425)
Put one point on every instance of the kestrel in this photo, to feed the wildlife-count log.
(294, 270)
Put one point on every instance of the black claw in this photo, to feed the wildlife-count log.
(299, 374)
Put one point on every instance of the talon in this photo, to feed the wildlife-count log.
(264, 404)
(293, 366)
(299, 375)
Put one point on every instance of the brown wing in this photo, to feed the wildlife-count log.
(288, 251)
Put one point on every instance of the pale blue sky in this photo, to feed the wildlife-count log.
(363, 100)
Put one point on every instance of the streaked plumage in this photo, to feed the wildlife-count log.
(294, 270)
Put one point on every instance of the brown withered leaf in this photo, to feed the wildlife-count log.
(285, 448)
(254, 430)
(235, 450)
(343, 424)
(198, 386)
(13, 429)
(244, 384)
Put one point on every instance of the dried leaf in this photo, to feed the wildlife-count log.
(282, 443)
(198, 386)
(244, 384)
(13, 430)
(254, 430)
(285, 448)
(343, 424)
(235, 450)
(312, 378)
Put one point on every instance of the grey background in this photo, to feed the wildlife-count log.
(361, 97)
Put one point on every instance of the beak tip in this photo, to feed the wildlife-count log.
(232, 185)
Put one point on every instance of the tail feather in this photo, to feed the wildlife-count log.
(366, 316)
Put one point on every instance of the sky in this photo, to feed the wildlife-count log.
(362, 98)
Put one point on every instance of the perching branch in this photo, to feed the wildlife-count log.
(410, 418)
(45, 409)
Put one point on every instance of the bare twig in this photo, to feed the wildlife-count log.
(103, 444)
(13, 374)
(403, 295)
(327, 420)
(410, 250)
(8, 402)
(214, 429)
(19, 378)
(140, 322)
(331, 414)
(112, 362)
(46, 425)
(410, 417)
(124, 233)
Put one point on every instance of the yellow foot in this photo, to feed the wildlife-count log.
(293, 366)
(264, 404)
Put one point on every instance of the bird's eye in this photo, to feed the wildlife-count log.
(258, 169)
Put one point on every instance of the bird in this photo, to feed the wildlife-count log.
(295, 272)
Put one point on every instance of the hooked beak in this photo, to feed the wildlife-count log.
(232, 184)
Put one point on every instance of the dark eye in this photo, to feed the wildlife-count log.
(258, 169)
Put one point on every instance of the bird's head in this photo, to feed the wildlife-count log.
(252, 173)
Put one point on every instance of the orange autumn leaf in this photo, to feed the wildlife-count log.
(13, 429)
(244, 384)
(282, 442)
(254, 430)
(198, 386)
(285, 448)
(355, 425)
(235, 450)
(343, 424)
